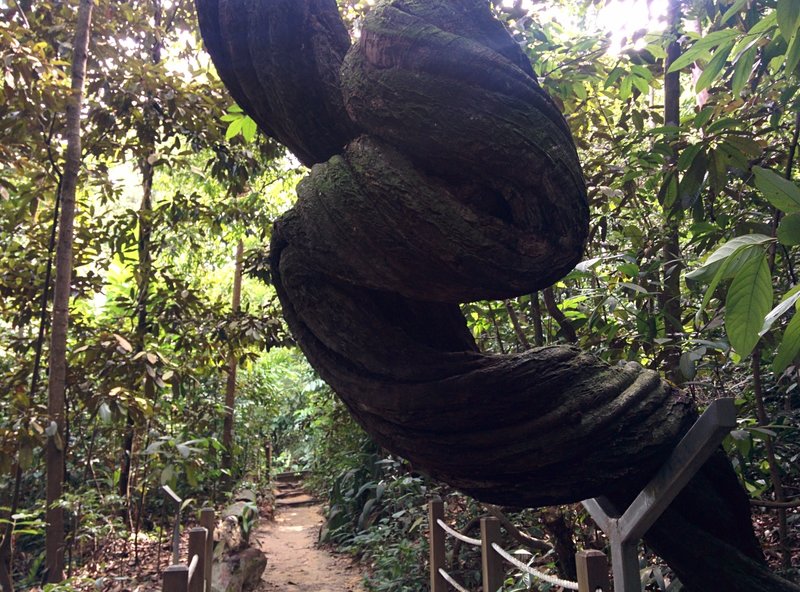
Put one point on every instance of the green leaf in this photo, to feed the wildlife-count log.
(743, 69)
(789, 346)
(748, 302)
(687, 366)
(786, 303)
(747, 146)
(780, 192)
(788, 14)
(714, 67)
(249, 129)
(687, 156)
(701, 48)
(104, 411)
(735, 7)
(789, 230)
(709, 269)
(721, 273)
(764, 25)
(234, 128)
(793, 54)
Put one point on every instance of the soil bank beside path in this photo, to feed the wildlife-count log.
(294, 563)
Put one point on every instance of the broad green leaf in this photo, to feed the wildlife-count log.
(234, 128)
(687, 156)
(735, 7)
(702, 118)
(709, 269)
(743, 69)
(789, 346)
(764, 25)
(788, 14)
(780, 192)
(747, 146)
(786, 303)
(789, 230)
(721, 273)
(714, 67)
(669, 191)
(249, 129)
(702, 47)
(692, 181)
(793, 54)
(748, 302)
(723, 124)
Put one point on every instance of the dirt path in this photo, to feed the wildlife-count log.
(295, 564)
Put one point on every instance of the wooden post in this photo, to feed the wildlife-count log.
(207, 521)
(197, 546)
(592, 568)
(491, 562)
(176, 579)
(436, 540)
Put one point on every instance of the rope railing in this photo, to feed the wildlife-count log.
(566, 584)
(452, 581)
(192, 567)
(461, 537)
(592, 566)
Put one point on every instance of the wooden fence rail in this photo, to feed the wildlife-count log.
(196, 576)
(592, 566)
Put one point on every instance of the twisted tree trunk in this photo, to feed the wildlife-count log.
(441, 174)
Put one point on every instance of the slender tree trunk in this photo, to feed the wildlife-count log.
(552, 308)
(670, 300)
(512, 314)
(6, 581)
(144, 275)
(230, 390)
(54, 452)
(144, 272)
(536, 313)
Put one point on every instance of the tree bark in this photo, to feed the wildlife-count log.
(6, 581)
(670, 297)
(230, 387)
(54, 451)
(464, 185)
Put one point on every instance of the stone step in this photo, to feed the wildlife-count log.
(302, 499)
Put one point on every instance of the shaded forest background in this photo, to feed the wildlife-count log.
(690, 269)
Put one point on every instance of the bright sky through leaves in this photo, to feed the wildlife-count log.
(619, 18)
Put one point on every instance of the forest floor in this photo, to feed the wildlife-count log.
(294, 561)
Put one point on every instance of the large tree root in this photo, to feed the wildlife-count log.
(441, 174)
